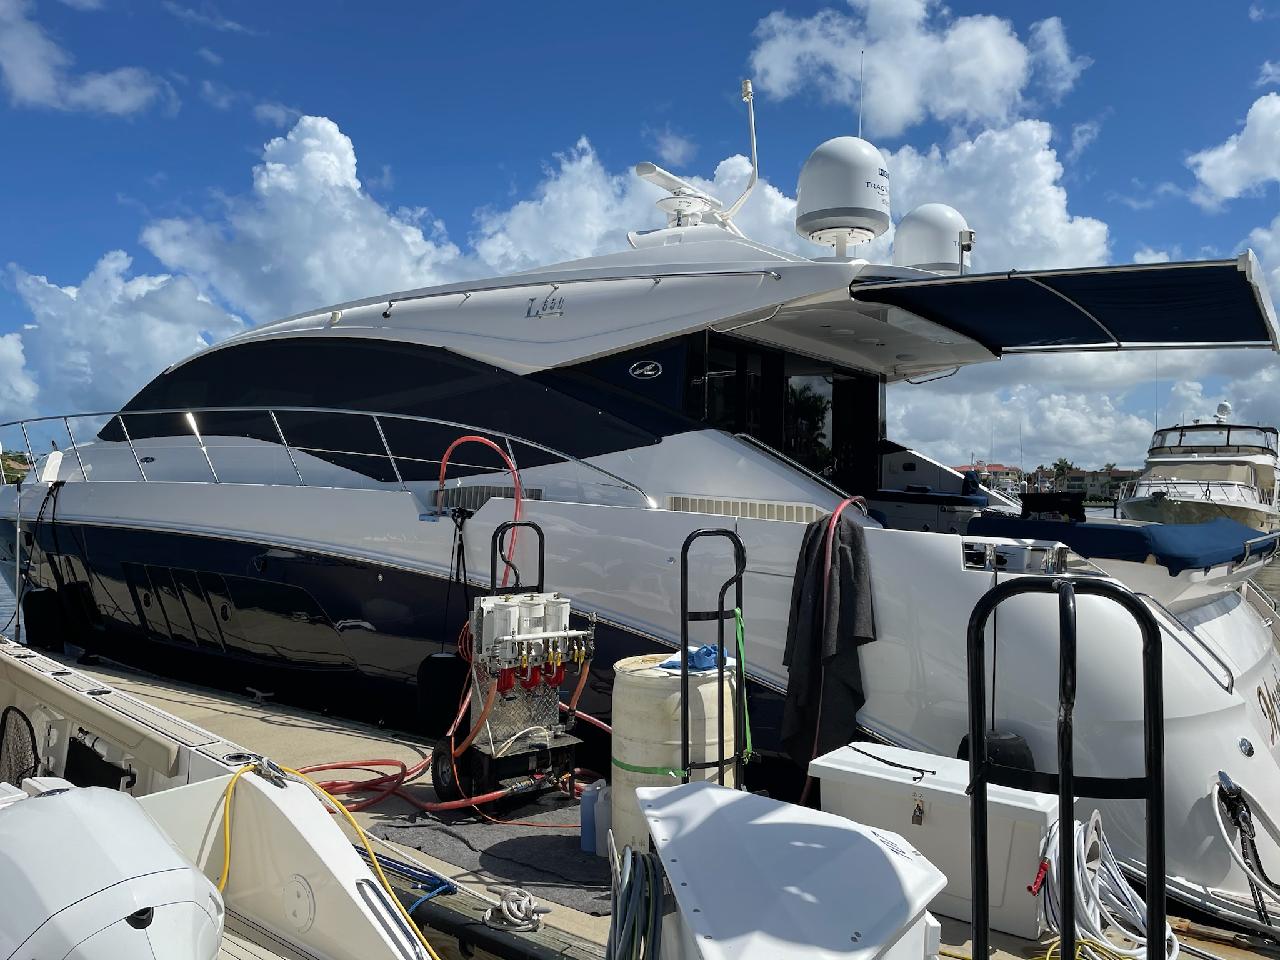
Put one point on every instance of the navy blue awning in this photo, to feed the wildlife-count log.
(1212, 303)
(1176, 546)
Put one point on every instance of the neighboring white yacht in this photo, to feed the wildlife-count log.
(1208, 469)
(275, 511)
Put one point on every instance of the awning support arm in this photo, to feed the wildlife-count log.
(1013, 274)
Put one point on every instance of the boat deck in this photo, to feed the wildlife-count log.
(298, 738)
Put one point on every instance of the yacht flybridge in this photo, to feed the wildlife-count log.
(296, 509)
(1208, 469)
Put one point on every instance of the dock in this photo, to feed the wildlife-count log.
(298, 738)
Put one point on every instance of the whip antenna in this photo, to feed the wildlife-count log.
(862, 70)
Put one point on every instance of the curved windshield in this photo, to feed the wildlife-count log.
(1216, 435)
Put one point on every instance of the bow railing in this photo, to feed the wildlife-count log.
(295, 446)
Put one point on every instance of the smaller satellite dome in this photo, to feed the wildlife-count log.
(928, 238)
(843, 194)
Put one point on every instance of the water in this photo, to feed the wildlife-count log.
(1268, 579)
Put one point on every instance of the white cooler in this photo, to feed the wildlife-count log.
(933, 816)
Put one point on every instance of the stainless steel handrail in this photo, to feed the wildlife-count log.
(273, 411)
(1191, 631)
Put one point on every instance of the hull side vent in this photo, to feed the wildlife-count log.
(748, 509)
(475, 497)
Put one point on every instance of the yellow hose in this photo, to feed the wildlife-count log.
(373, 858)
(337, 805)
(226, 826)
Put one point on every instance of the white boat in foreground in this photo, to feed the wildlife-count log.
(184, 847)
(1206, 470)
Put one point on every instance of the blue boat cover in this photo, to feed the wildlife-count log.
(1176, 546)
(1218, 303)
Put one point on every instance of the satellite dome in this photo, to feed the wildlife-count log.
(843, 194)
(928, 238)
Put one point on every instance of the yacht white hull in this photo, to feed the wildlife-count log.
(1169, 509)
(377, 573)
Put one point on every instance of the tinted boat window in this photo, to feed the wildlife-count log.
(373, 375)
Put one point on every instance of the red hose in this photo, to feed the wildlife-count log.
(461, 748)
(584, 672)
(515, 479)
(588, 718)
(390, 784)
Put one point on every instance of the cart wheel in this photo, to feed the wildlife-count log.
(446, 784)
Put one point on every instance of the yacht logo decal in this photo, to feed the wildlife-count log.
(646, 369)
(551, 306)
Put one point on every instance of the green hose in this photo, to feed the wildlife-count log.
(740, 636)
(740, 630)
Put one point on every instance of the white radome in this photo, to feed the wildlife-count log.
(928, 238)
(843, 194)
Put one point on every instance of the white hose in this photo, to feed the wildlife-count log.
(1260, 816)
(1103, 898)
(507, 746)
(517, 910)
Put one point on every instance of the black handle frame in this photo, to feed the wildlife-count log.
(495, 553)
(1149, 787)
(720, 615)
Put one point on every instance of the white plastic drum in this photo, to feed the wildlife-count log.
(646, 735)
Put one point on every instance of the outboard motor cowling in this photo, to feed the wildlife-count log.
(86, 874)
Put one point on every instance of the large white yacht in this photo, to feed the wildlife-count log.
(277, 511)
(1208, 469)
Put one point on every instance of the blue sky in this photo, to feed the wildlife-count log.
(138, 126)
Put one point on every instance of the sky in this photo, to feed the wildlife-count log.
(174, 170)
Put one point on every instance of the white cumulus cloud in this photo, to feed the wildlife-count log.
(1243, 162)
(93, 344)
(921, 62)
(1051, 55)
(307, 233)
(1007, 183)
(38, 73)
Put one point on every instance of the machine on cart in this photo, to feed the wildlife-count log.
(523, 648)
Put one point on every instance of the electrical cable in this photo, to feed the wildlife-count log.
(1223, 790)
(373, 858)
(1104, 899)
(227, 796)
(25, 578)
(635, 926)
